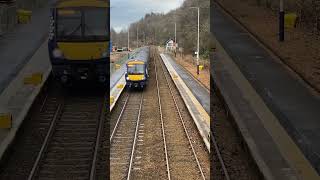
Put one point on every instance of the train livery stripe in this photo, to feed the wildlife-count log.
(83, 50)
(82, 3)
(135, 62)
(136, 77)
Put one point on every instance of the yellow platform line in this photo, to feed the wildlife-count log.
(5, 120)
(116, 91)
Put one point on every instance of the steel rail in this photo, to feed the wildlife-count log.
(99, 134)
(182, 122)
(135, 139)
(216, 147)
(45, 143)
(44, 102)
(161, 119)
(118, 120)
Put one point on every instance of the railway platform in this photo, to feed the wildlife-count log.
(24, 67)
(17, 98)
(276, 112)
(199, 91)
(195, 96)
(18, 46)
(117, 84)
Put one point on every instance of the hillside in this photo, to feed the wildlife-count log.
(156, 28)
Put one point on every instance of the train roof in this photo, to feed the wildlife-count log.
(81, 3)
(141, 55)
(133, 62)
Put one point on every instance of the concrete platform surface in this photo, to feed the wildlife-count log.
(18, 46)
(116, 91)
(116, 76)
(200, 92)
(274, 110)
(196, 110)
(18, 97)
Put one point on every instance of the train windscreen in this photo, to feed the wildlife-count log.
(69, 24)
(136, 69)
(96, 23)
(89, 24)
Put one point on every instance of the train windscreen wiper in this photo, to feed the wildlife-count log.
(75, 30)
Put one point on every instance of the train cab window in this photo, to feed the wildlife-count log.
(69, 23)
(136, 69)
(96, 23)
(82, 24)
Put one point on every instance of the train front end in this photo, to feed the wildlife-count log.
(79, 40)
(137, 74)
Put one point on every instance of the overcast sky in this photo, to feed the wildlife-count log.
(124, 12)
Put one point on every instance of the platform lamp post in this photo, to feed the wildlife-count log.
(144, 38)
(128, 37)
(175, 32)
(137, 36)
(175, 35)
(281, 22)
(175, 28)
(198, 41)
(175, 38)
(128, 42)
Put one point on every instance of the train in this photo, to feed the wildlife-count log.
(137, 69)
(79, 40)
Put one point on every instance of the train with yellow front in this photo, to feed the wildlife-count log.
(137, 69)
(79, 40)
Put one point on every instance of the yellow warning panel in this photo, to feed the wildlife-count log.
(34, 79)
(5, 120)
(118, 66)
(120, 86)
(24, 16)
(200, 67)
(111, 99)
(175, 76)
(290, 20)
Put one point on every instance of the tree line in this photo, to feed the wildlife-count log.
(157, 28)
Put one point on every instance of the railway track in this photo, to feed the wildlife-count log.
(219, 159)
(228, 159)
(123, 137)
(182, 158)
(155, 142)
(61, 138)
(70, 148)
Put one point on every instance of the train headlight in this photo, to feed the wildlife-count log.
(57, 53)
(127, 78)
(105, 54)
